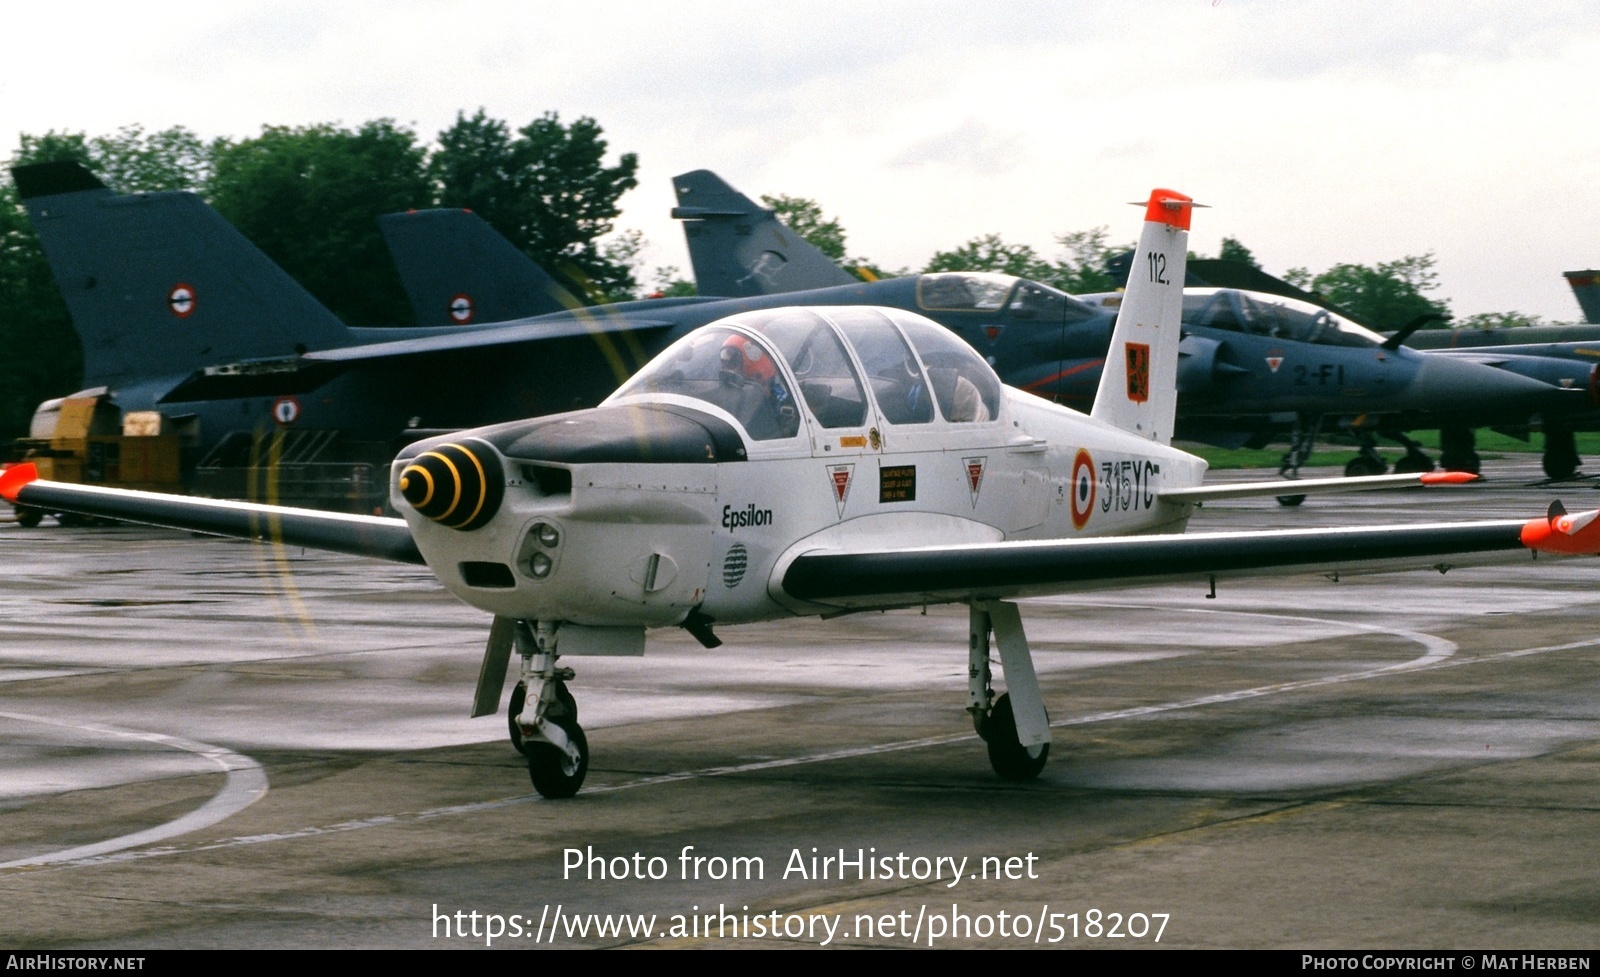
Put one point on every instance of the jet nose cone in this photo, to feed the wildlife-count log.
(1477, 390)
(456, 485)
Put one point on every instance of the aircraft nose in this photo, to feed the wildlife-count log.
(459, 485)
(1446, 384)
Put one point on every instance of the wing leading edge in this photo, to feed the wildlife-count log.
(374, 536)
(989, 571)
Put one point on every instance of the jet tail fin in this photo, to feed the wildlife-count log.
(458, 270)
(159, 284)
(1586, 289)
(1139, 385)
(739, 249)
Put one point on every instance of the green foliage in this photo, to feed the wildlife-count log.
(131, 161)
(804, 217)
(1080, 268)
(547, 189)
(668, 283)
(39, 353)
(989, 252)
(308, 197)
(1493, 320)
(1386, 296)
(1233, 250)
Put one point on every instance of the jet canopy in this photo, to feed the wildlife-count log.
(777, 371)
(983, 291)
(1273, 316)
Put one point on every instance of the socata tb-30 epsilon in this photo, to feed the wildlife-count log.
(805, 461)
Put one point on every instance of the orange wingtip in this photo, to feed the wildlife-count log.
(1447, 478)
(1562, 532)
(1169, 207)
(13, 478)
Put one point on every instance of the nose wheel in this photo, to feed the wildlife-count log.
(557, 772)
(543, 715)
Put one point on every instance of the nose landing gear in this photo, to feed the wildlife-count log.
(543, 715)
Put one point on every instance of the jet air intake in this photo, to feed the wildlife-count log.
(456, 485)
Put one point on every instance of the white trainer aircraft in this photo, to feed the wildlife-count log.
(817, 461)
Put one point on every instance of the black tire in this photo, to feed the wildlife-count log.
(1291, 500)
(519, 695)
(1456, 450)
(1413, 464)
(548, 767)
(1009, 758)
(28, 517)
(1361, 466)
(568, 712)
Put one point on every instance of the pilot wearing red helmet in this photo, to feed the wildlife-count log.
(766, 411)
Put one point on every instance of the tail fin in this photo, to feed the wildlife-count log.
(1586, 288)
(159, 284)
(458, 270)
(1139, 385)
(739, 249)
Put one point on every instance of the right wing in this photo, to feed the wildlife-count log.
(868, 578)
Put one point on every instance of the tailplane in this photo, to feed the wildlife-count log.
(740, 249)
(458, 270)
(159, 284)
(1139, 385)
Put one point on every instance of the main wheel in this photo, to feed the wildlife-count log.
(1560, 452)
(1009, 758)
(1291, 500)
(28, 517)
(1364, 465)
(1414, 463)
(1456, 451)
(552, 771)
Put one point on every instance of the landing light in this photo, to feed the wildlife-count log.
(547, 535)
(540, 565)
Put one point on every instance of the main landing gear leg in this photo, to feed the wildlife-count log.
(1014, 725)
(1416, 461)
(1561, 459)
(1458, 450)
(544, 716)
(1367, 461)
(1301, 441)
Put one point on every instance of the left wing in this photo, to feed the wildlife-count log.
(992, 571)
(386, 539)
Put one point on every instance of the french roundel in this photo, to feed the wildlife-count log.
(1083, 488)
(462, 308)
(181, 300)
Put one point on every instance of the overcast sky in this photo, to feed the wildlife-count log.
(1319, 131)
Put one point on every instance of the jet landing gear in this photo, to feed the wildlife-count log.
(1015, 725)
(544, 716)
(1561, 459)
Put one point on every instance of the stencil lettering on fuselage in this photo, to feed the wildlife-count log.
(1128, 485)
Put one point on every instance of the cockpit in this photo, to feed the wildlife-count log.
(1272, 316)
(982, 291)
(778, 370)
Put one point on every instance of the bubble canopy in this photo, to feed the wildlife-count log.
(776, 371)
